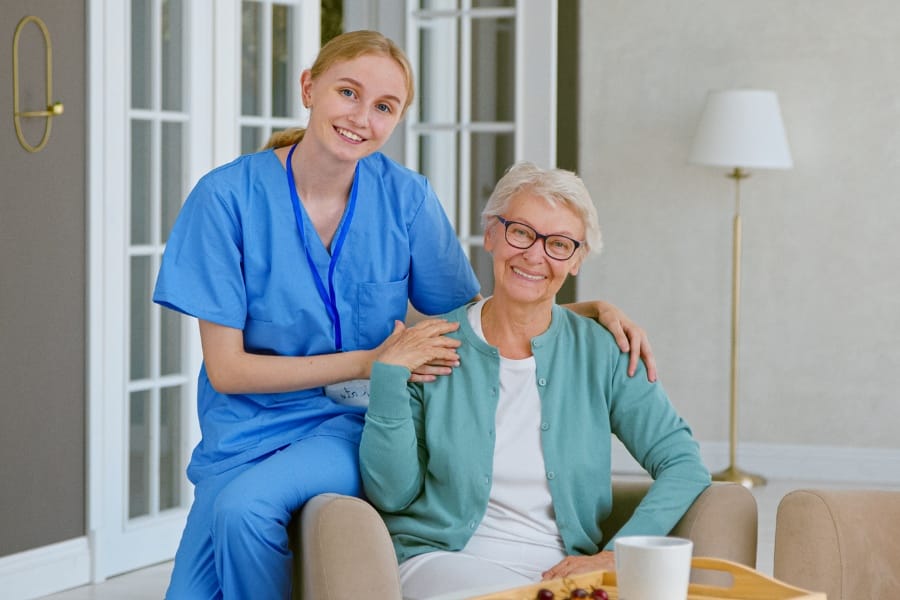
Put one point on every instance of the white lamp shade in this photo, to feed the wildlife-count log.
(741, 128)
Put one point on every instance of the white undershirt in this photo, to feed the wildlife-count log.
(519, 527)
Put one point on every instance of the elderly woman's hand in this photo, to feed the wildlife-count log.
(573, 565)
(422, 348)
(629, 336)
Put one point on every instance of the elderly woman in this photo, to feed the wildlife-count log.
(499, 474)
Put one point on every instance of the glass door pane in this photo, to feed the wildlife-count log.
(462, 133)
(156, 338)
(270, 71)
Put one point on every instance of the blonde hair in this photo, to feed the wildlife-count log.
(344, 47)
(555, 186)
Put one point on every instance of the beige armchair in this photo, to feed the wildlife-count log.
(342, 546)
(845, 543)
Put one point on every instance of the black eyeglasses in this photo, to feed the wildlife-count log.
(522, 236)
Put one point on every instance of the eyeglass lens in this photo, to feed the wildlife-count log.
(523, 236)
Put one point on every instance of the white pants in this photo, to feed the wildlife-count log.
(445, 575)
(484, 566)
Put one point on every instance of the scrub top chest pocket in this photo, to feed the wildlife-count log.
(378, 305)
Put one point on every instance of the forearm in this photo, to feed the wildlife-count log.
(388, 451)
(672, 458)
(232, 370)
(668, 499)
(264, 374)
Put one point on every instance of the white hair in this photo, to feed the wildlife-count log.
(555, 186)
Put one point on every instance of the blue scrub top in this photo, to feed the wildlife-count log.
(235, 257)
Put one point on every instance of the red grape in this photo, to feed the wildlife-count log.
(599, 594)
(579, 593)
(545, 594)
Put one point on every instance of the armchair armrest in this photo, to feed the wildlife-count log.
(842, 542)
(344, 551)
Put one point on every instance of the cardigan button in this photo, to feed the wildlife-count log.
(542, 381)
(545, 426)
(550, 474)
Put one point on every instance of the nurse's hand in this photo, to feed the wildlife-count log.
(628, 335)
(422, 348)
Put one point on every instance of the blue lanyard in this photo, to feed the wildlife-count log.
(328, 297)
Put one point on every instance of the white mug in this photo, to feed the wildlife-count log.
(653, 567)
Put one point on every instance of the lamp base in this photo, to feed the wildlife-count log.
(737, 475)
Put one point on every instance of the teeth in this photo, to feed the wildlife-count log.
(349, 134)
(527, 276)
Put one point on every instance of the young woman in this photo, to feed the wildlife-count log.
(297, 261)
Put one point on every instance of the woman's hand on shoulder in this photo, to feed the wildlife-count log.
(628, 335)
(422, 348)
(573, 565)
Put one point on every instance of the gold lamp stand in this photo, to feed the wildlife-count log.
(733, 472)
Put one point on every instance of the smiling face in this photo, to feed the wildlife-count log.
(529, 276)
(354, 105)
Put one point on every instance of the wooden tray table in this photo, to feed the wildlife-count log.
(747, 584)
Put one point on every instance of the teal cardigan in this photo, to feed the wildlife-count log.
(426, 453)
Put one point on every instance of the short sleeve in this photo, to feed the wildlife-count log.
(201, 272)
(441, 277)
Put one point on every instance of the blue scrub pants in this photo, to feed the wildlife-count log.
(235, 542)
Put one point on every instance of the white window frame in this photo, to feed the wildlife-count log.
(227, 106)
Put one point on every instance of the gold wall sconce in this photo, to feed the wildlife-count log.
(53, 109)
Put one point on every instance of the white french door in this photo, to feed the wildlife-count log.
(181, 85)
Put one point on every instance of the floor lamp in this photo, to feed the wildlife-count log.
(739, 130)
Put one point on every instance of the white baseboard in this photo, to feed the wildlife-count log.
(45, 570)
(859, 466)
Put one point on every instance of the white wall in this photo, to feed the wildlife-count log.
(821, 270)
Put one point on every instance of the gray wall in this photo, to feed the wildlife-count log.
(42, 286)
(821, 284)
